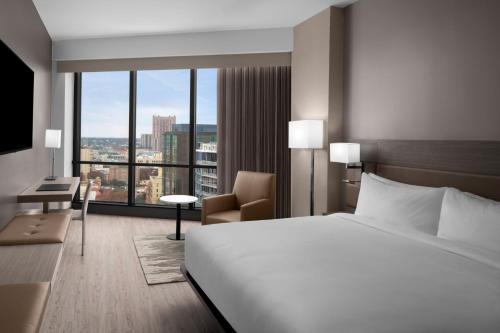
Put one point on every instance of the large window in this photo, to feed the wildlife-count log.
(141, 135)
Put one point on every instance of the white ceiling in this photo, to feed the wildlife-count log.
(76, 19)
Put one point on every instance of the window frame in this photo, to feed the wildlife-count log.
(130, 207)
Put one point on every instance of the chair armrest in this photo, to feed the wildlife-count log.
(218, 203)
(262, 209)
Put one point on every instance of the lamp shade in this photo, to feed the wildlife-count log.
(52, 138)
(305, 134)
(342, 152)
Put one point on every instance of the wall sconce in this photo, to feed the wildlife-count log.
(347, 153)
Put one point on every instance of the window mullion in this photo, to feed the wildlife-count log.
(132, 137)
(192, 131)
(77, 107)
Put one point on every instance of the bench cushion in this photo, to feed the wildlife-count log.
(22, 306)
(35, 229)
(35, 211)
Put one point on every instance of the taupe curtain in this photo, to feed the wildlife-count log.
(253, 112)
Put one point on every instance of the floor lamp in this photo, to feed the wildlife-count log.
(306, 134)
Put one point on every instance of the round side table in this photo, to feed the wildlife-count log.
(178, 200)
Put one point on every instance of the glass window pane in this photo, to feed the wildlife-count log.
(205, 183)
(153, 182)
(104, 116)
(163, 116)
(205, 180)
(206, 117)
(110, 182)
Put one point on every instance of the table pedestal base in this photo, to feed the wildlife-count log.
(177, 235)
(174, 237)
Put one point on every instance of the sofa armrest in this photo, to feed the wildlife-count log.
(262, 209)
(218, 203)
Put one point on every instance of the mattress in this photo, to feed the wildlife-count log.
(339, 273)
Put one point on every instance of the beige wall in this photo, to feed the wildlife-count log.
(23, 31)
(423, 70)
(316, 62)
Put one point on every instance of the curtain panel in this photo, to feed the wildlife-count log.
(253, 112)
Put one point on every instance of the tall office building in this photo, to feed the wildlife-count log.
(176, 142)
(176, 151)
(146, 141)
(205, 181)
(176, 145)
(160, 126)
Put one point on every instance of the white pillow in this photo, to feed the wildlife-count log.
(411, 206)
(471, 219)
(393, 182)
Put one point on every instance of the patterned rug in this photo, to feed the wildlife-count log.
(160, 258)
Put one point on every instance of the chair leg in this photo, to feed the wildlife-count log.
(83, 235)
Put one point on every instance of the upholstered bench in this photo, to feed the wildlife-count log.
(35, 229)
(22, 306)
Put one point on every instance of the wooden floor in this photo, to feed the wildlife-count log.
(105, 291)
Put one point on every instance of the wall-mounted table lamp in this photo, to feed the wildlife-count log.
(52, 140)
(306, 134)
(347, 153)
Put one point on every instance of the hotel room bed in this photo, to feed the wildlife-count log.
(342, 273)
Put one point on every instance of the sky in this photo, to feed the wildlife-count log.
(105, 100)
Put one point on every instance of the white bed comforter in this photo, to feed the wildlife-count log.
(339, 273)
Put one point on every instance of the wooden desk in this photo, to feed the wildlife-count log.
(32, 195)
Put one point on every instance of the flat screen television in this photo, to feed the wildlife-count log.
(16, 102)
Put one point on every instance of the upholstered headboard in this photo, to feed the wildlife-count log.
(471, 166)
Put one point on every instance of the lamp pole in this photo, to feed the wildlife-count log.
(52, 177)
(53, 162)
(312, 184)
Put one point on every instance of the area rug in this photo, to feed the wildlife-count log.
(160, 258)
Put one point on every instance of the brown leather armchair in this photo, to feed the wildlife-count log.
(253, 198)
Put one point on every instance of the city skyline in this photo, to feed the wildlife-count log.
(151, 182)
(138, 137)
